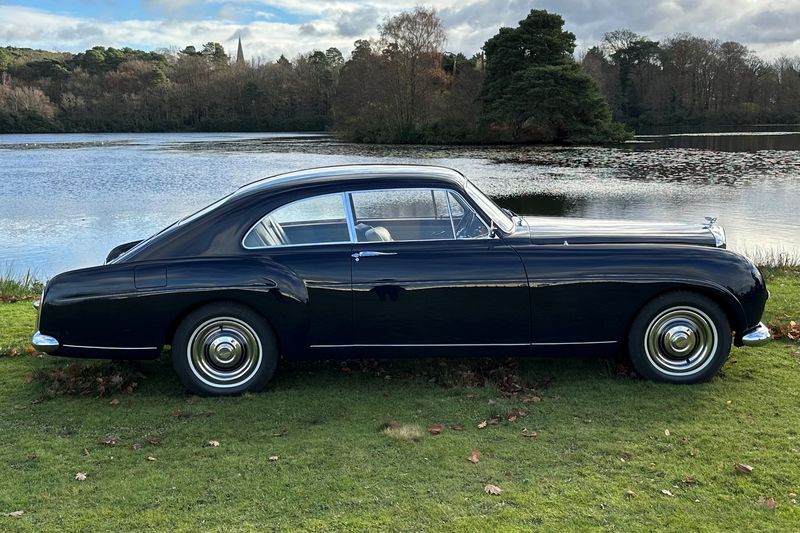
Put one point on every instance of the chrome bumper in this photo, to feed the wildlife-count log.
(758, 336)
(44, 343)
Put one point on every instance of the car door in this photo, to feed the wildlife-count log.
(310, 240)
(429, 279)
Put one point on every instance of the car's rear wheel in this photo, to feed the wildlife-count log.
(680, 337)
(224, 349)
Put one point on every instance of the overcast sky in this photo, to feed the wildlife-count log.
(271, 27)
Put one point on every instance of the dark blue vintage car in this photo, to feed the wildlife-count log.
(403, 261)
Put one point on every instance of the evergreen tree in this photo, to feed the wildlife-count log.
(534, 90)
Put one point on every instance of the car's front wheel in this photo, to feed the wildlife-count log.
(224, 349)
(680, 337)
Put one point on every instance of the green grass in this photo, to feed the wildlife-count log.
(599, 435)
(15, 287)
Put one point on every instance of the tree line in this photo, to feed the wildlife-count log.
(401, 87)
(524, 86)
(685, 79)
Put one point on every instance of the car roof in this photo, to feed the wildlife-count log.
(332, 174)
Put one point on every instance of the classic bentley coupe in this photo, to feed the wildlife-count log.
(403, 261)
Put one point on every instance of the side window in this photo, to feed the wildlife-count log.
(466, 222)
(401, 215)
(320, 219)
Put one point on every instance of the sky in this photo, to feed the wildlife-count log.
(269, 28)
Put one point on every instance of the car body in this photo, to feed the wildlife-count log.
(398, 261)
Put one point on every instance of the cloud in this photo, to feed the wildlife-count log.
(359, 22)
(272, 27)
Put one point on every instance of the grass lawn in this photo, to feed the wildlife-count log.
(612, 452)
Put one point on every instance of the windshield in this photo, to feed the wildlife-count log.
(490, 208)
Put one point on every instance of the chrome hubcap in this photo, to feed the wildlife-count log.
(224, 352)
(681, 341)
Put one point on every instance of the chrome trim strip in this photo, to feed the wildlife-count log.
(568, 343)
(415, 345)
(758, 336)
(111, 347)
(447, 345)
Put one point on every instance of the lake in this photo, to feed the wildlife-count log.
(67, 199)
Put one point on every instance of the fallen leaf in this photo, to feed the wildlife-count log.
(273, 458)
(526, 433)
(108, 440)
(493, 421)
(394, 424)
(474, 457)
(482, 424)
(80, 476)
(743, 468)
(531, 399)
(436, 429)
(666, 432)
(151, 457)
(492, 401)
(492, 489)
(630, 494)
(213, 443)
(14, 514)
(457, 427)
(177, 413)
(771, 504)
(512, 418)
(155, 440)
(136, 446)
(114, 402)
(28, 380)
(665, 492)
(517, 412)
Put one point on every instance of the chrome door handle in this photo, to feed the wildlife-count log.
(358, 255)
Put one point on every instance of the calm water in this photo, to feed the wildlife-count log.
(67, 199)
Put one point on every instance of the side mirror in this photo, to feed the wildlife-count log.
(492, 229)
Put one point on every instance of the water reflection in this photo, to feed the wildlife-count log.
(66, 200)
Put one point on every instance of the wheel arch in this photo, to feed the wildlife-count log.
(719, 295)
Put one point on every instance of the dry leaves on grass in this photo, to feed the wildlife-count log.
(80, 476)
(155, 440)
(781, 330)
(103, 379)
(213, 443)
(630, 494)
(532, 434)
(273, 458)
(771, 504)
(151, 457)
(109, 440)
(14, 514)
(743, 468)
(114, 402)
(474, 457)
(457, 427)
(665, 492)
(492, 489)
(436, 429)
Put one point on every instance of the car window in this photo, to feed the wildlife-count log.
(320, 219)
(466, 222)
(401, 215)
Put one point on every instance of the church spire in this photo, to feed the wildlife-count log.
(240, 53)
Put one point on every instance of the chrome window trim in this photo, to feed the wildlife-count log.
(349, 212)
(450, 214)
(350, 230)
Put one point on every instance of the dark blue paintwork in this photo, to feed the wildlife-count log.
(524, 292)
